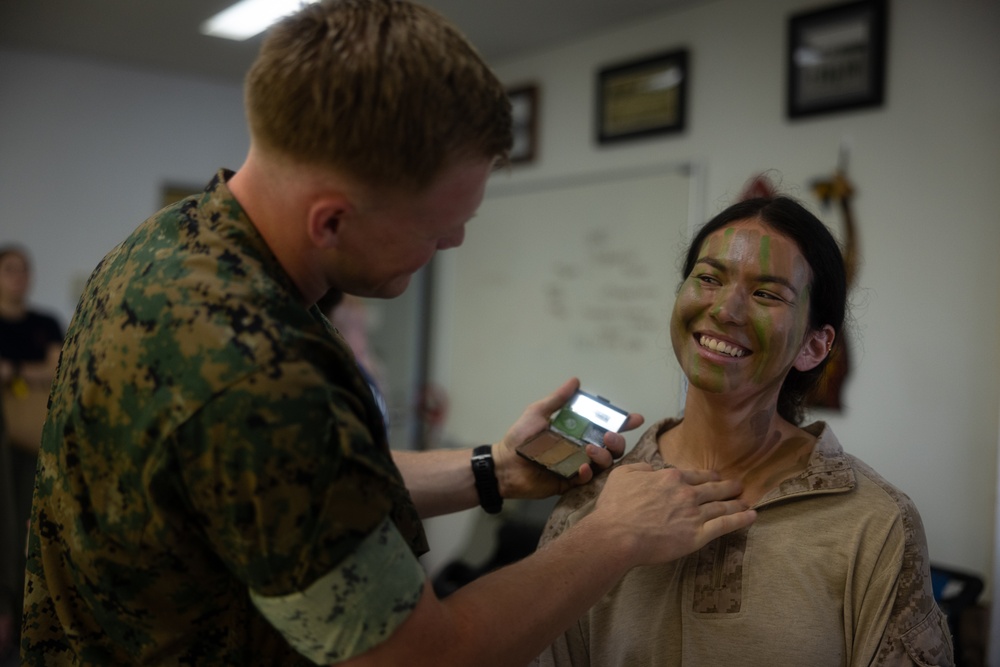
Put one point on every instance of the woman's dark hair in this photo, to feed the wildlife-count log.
(828, 290)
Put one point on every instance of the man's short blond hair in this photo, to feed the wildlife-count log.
(385, 91)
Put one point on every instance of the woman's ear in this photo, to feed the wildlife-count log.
(325, 220)
(815, 348)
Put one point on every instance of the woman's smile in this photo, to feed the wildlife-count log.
(720, 346)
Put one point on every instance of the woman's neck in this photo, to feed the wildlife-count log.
(750, 442)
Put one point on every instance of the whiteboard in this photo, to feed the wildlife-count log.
(562, 279)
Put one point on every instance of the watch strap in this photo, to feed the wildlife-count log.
(484, 472)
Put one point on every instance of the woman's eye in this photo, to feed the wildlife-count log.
(771, 296)
(709, 280)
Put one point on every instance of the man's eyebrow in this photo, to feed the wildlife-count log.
(763, 278)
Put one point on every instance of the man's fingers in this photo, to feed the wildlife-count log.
(603, 457)
(613, 443)
(692, 476)
(625, 468)
(558, 398)
(732, 519)
(714, 510)
(634, 420)
(724, 489)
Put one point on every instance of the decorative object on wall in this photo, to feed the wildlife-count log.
(524, 122)
(758, 186)
(838, 190)
(642, 97)
(836, 58)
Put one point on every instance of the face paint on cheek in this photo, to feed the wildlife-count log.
(694, 367)
(712, 375)
(701, 373)
(763, 325)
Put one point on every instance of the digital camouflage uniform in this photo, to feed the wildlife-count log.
(834, 572)
(213, 466)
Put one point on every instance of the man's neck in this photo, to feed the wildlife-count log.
(272, 211)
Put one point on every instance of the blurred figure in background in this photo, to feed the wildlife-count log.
(349, 314)
(29, 352)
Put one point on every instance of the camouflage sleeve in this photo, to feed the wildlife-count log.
(284, 478)
(355, 606)
(916, 630)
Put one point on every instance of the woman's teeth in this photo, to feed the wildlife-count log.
(719, 346)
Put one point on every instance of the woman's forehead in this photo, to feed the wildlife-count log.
(751, 242)
(747, 236)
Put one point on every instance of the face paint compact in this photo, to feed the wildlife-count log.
(583, 420)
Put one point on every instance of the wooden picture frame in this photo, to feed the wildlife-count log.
(836, 58)
(644, 97)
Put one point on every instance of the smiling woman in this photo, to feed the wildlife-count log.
(761, 305)
(748, 298)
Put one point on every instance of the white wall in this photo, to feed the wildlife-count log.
(922, 399)
(85, 148)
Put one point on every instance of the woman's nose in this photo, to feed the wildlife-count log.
(731, 307)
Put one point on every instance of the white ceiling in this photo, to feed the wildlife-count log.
(163, 34)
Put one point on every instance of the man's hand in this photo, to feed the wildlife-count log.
(669, 513)
(520, 478)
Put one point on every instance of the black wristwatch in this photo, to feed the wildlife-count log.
(486, 479)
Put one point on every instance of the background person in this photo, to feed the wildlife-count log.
(835, 569)
(30, 341)
(349, 316)
(215, 486)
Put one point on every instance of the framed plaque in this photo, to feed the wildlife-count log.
(643, 97)
(836, 58)
(524, 123)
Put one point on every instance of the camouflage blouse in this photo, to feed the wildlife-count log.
(213, 468)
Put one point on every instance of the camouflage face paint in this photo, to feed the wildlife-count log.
(749, 288)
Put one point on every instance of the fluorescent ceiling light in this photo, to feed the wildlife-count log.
(249, 17)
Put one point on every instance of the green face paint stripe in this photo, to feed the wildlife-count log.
(761, 326)
(727, 237)
(701, 371)
(765, 255)
(763, 323)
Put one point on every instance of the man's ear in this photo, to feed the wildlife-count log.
(815, 348)
(325, 220)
